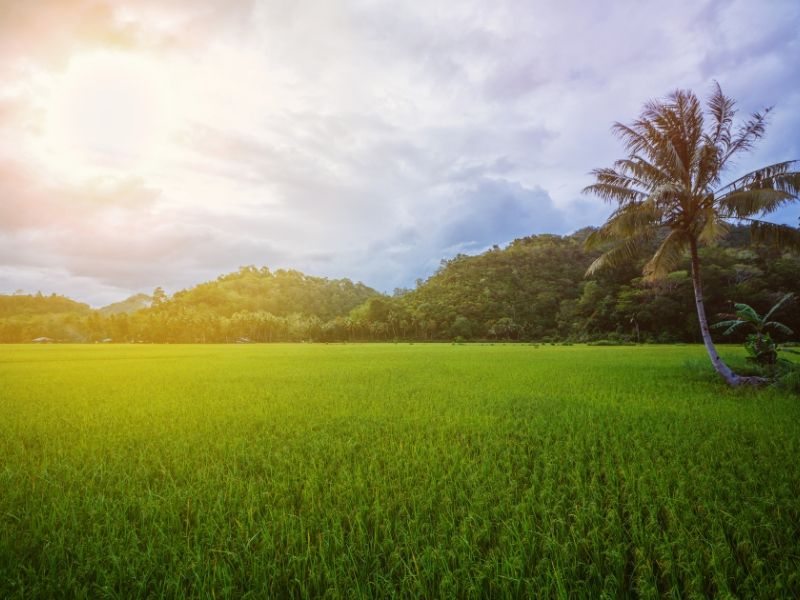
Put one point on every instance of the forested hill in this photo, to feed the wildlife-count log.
(38, 304)
(510, 293)
(129, 305)
(533, 289)
(269, 306)
(281, 293)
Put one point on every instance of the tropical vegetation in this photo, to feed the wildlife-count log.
(669, 188)
(531, 290)
(759, 344)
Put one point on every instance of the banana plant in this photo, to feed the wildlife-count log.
(759, 343)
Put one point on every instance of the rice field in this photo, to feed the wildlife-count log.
(359, 471)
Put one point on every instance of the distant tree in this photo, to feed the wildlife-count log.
(159, 296)
(668, 190)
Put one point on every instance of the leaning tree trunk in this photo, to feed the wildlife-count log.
(720, 367)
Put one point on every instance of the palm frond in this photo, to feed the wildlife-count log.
(641, 219)
(599, 237)
(647, 137)
(775, 234)
(611, 192)
(689, 121)
(635, 141)
(782, 176)
(614, 185)
(622, 253)
(645, 172)
(667, 256)
(617, 177)
(714, 226)
(746, 203)
(722, 110)
(706, 173)
(663, 151)
(751, 131)
(665, 195)
(633, 220)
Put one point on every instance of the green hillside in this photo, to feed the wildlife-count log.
(280, 293)
(20, 305)
(534, 289)
(128, 306)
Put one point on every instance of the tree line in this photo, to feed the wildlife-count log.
(534, 289)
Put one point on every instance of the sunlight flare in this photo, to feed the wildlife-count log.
(110, 111)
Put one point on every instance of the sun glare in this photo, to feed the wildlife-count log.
(109, 111)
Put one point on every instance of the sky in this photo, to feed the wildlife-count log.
(165, 142)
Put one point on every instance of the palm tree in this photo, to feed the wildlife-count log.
(668, 191)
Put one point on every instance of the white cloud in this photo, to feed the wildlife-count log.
(364, 139)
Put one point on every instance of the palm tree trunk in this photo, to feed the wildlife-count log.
(720, 367)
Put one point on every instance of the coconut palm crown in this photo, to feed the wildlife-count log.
(669, 191)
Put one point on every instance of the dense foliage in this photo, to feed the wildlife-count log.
(669, 188)
(759, 343)
(19, 305)
(534, 289)
(23, 318)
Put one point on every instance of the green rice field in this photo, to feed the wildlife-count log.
(411, 471)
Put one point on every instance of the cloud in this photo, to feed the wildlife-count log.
(29, 204)
(497, 211)
(104, 230)
(49, 30)
(359, 139)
